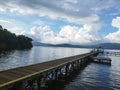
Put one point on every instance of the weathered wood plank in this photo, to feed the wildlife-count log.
(12, 76)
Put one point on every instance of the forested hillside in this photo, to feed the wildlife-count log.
(10, 41)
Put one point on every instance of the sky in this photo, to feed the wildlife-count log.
(78, 22)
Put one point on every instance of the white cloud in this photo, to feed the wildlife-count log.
(80, 35)
(115, 36)
(83, 12)
(67, 34)
(116, 22)
(41, 33)
(13, 27)
(77, 11)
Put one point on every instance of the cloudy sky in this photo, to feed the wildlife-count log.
(63, 21)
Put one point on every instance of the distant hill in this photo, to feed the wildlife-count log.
(109, 45)
(103, 45)
(56, 45)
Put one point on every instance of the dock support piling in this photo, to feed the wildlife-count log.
(51, 73)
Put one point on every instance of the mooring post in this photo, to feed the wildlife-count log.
(30, 85)
(82, 61)
(76, 64)
(39, 82)
(72, 67)
(66, 70)
(56, 74)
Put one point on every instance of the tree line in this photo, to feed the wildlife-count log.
(11, 41)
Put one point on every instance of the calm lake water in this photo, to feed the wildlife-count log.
(93, 77)
(37, 54)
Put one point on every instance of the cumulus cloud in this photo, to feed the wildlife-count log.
(68, 34)
(80, 35)
(116, 22)
(41, 33)
(77, 11)
(115, 36)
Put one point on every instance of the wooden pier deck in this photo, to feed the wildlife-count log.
(12, 76)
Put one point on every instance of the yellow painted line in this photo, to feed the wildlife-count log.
(39, 72)
(19, 79)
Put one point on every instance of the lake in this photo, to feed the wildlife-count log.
(93, 77)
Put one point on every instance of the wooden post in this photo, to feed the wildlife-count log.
(18, 86)
(39, 82)
(66, 70)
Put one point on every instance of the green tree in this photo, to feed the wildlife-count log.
(9, 41)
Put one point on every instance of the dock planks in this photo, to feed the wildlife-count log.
(12, 76)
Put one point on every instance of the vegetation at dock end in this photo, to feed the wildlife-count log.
(11, 41)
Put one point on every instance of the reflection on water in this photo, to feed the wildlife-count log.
(93, 77)
(98, 77)
(36, 55)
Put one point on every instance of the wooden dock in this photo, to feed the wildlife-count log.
(102, 60)
(25, 78)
